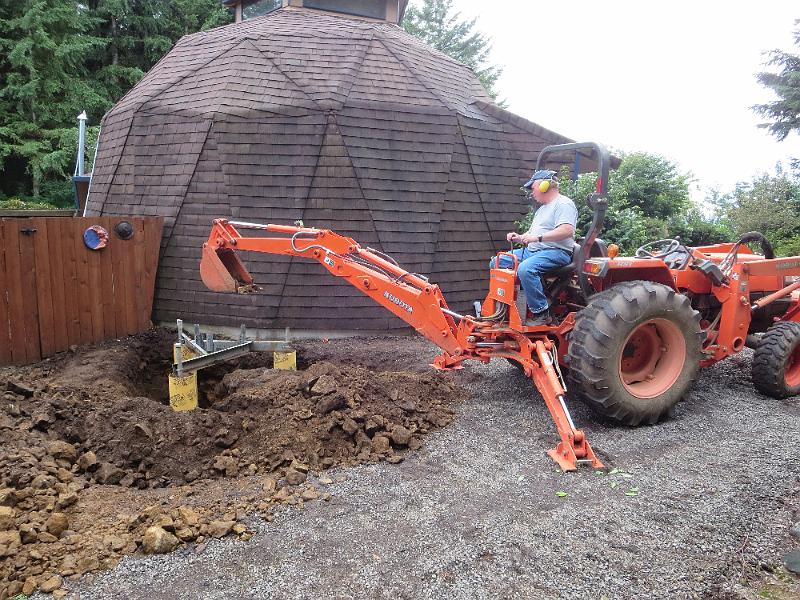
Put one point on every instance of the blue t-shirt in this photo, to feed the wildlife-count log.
(549, 216)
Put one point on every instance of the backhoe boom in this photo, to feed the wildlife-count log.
(406, 295)
(415, 300)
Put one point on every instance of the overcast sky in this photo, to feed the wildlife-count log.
(672, 78)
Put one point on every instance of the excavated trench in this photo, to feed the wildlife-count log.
(113, 401)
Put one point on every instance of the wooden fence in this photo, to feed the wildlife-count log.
(55, 292)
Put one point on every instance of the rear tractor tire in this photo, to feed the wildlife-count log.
(776, 364)
(635, 351)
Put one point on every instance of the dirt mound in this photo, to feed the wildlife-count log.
(327, 415)
(74, 425)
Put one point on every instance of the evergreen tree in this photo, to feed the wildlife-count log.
(140, 32)
(785, 113)
(44, 49)
(436, 25)
(60, 57)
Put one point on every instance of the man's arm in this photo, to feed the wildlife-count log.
(562, 232)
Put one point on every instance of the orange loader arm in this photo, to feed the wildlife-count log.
(406, 295)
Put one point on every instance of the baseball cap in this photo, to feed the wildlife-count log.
(540, 174)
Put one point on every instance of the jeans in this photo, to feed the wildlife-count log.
(531, 266)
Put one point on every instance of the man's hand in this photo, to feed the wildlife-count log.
(513, 237)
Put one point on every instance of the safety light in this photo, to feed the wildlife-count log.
(613, 250)
(592, 267)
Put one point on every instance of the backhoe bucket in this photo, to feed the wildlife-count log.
(222, 271)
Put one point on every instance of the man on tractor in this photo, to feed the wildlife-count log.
(547, 244)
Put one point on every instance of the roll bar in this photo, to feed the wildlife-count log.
(597, 201)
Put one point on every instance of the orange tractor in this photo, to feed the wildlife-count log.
(629, 333)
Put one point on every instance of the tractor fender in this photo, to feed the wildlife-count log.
(613, 271)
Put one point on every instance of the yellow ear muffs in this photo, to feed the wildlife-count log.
(544, 186)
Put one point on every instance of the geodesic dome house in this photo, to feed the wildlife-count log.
(343, 121)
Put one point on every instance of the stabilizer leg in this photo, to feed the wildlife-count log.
(573, 450)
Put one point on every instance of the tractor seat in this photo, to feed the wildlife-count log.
(568, 268)
(598, 249)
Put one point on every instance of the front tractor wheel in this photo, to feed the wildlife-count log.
(776, 364)
(635, 351)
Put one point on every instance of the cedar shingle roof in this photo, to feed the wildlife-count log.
(346, 124)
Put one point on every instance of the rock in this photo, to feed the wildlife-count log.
(227, 465)
(143, 430)
(29, 586)
(88, 461)
(59, 594)
(298, 466)
(158, 541)
(27, 533)
(130, 480)
(187, 516)
(792, 561)
(294, 477)
(186, 534)
(8, 497)
(380, 444)
(330, 403)
(191, 476)
(20, 389)
(6, 422)
(64, 476)
(400, 435)
(794, 531)
(407, 405)
(68, 564)
(59, 449)
(51, 584)
(7, 515)
(88, 563)
(41, 420)
(324, 385)
(225, 438)
(239, 529)
(46, 538)
(219, 529)
(310, 494)
(14, 588)
(283, 494)
(108, 474)
(372, 425)
(57, 524)
(394, 459)
(65, 500)
(165, 522)
(114, 542)
(349, 426)
(43, 482)
(10, 539)
(363, 443)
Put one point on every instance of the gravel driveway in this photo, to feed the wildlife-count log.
(480, 511)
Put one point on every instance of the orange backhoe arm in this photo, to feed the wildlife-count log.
(419, 303)
(407, 295)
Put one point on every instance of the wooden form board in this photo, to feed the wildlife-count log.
(55, 292)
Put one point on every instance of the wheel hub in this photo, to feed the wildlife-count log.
(652, 358)
(792, 372)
